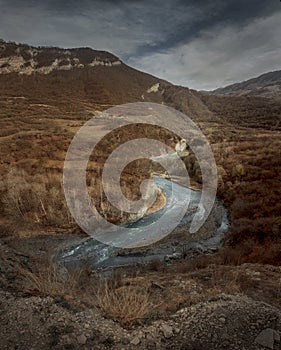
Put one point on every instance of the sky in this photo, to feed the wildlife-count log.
(200, 44)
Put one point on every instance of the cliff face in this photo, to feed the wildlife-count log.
(25, 59)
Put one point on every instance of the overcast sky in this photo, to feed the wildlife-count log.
(200, 44)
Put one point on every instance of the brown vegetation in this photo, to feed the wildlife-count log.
(41, 113)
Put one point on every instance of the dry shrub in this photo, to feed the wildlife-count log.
(155, 265)
(233, 255)
(127, 305)
(37, 199)
(196, 263)
(223, 281)
(266, 252)
(48, 281)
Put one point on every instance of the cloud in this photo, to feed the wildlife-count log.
(198, 43)
(125, 28)
(219, 57)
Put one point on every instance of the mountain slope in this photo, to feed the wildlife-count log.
(221, 293)
(266, 85)
(70, 78)
(41, 110)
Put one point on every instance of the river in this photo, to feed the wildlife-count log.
(179, 243)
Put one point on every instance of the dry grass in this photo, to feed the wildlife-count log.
(38, 125)
(48, 281)
(35, 200)
(127, 304)
(151, 295)
(223, 282)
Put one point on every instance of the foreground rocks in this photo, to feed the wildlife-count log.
(224, 322)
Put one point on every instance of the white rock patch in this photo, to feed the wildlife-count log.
(16, 64)
(153, 88)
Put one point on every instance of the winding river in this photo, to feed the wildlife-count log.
(179, 243)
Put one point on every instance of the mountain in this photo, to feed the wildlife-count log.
(266, 85)
(74, 74)
(47, 94)
(70, 78)
(83, 74)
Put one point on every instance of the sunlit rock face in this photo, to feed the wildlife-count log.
(182, 148)
(25, 59)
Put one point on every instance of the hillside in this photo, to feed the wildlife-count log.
(266, 85)
(72, 77)
(41, 109)
(231, 293)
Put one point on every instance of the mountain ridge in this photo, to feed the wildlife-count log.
(27, 59)
(265, 85)
(102, 79)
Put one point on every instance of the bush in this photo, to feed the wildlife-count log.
(126, 304)
(35, 199)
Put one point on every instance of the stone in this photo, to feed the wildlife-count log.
(82, 339)
(266, 338)
(135, 341)
(167, 331)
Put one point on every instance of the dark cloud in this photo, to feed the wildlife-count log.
(208, 14)
(219, 57)
(139, 31)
